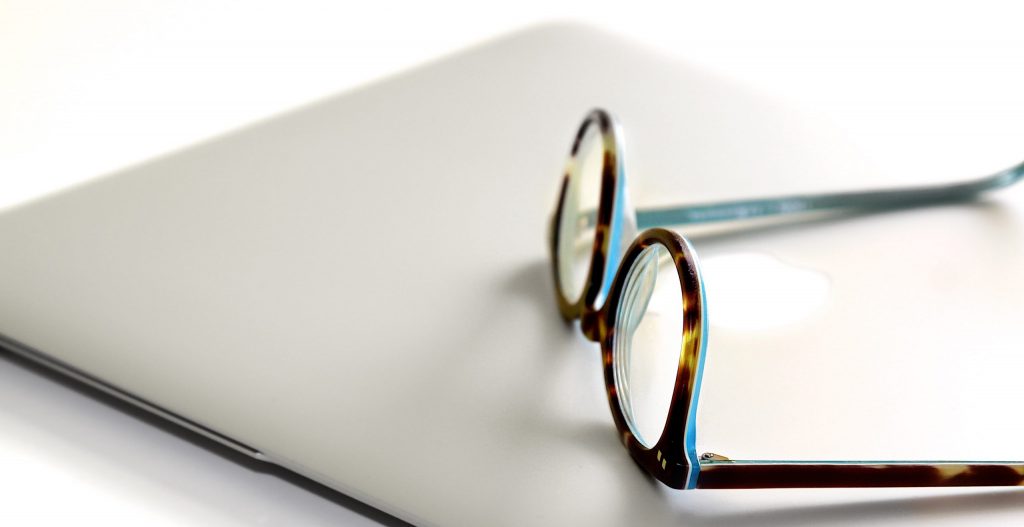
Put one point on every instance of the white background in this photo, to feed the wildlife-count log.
(90, 87)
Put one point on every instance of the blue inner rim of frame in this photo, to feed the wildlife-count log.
(690, 433)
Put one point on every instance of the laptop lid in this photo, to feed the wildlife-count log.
(360, 291)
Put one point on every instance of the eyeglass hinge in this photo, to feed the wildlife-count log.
(711, 456)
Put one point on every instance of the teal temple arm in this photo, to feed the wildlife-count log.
(875, 199)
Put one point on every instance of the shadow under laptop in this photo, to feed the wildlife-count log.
(73, 420)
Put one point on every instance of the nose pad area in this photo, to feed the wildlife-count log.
(624, 232)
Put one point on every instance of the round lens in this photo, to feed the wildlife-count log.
(578, 223)
(648, 341)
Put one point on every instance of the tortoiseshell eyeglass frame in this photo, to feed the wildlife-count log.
(673, 459)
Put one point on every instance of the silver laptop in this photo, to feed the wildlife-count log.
(360, 292)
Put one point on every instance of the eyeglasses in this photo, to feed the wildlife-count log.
(641, 297)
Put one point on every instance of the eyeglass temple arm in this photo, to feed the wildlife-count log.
(726, 474)
(753, 208)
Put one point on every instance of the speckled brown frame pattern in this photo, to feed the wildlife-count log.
(725, 474)
(585, 308)
(673, 459)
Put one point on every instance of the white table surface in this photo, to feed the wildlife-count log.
(85, 90)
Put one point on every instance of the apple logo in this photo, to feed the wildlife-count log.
(757, 291)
